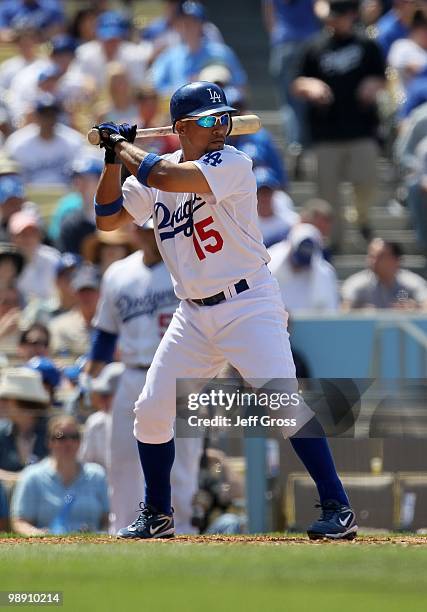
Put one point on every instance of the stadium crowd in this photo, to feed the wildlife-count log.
(351, 81)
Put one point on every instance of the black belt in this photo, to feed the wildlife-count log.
(138, 366)
(241, 286)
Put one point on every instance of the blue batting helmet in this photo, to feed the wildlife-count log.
(197, 100)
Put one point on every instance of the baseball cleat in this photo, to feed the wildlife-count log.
(150, 524)
(337, 522)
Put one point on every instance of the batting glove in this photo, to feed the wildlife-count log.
(128, 131)
(110, 135)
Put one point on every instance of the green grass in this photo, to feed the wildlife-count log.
(157, 576)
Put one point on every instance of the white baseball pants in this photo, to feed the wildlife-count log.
(248, 331)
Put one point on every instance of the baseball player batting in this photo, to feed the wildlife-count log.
(204, 206)
(136, 304)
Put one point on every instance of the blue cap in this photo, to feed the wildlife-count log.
(11, 186)
(303, 253)
(86, 277)
(50, 374)
(63, 43)
(193, 9)
(67, 262)
(87, 165)
(47, 102)
(111, 24)
(50, 72)
(266, 177)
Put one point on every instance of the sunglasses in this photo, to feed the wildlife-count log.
(37, 342)
(63, 436)
(210, 120)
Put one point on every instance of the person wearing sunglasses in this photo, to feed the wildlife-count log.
(60, 495)
(203, 201)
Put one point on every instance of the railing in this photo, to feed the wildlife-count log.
(405, 329)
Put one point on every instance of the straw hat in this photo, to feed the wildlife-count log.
(23, 384)
(91, 244)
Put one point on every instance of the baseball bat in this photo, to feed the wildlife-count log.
(242, 124)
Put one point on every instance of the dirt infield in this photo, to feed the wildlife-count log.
(278, 540)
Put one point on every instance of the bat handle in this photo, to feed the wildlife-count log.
(93, 136)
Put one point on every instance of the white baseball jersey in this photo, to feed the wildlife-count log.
(136, 302)
(208, 241)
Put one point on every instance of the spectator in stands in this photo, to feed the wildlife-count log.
(60, 494)
(34, 342)
(162, 34)
(110, 45)
(26, 37)
(4, 510)
(46, 15)
(416, 95)
(11, 304)
(340, 77)
(51, 376)
(182, 63)
(395, 24)
(120, 106)
(11, 194)
(37, 279)
(23, 432)
(104, 248)
(408, 56)
(97, 429)
(45, 149)
(149, 115)
(57, 75)
(83, 25)
(412, 132)
(74, 217)
(384, 284)
(259, 146)
(417, 193)
(307, 282)
(319, 213)
(276, 214)
(66, 295)
(289, 25)
(71, 330)
(5, 121)
(11, 264)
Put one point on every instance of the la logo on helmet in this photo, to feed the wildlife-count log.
(214, 95)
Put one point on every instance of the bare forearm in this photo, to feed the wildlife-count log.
(109, 189)
(26, 529)
(93, 368)
(8, 476)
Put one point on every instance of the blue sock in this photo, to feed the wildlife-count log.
(157, 461)
(316, 456)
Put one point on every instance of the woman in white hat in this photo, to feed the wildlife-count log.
(24, 408)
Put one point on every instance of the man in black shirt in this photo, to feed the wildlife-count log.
(340, 76)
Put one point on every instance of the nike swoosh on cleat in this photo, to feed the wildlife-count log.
(154, 530)
(345, 522)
